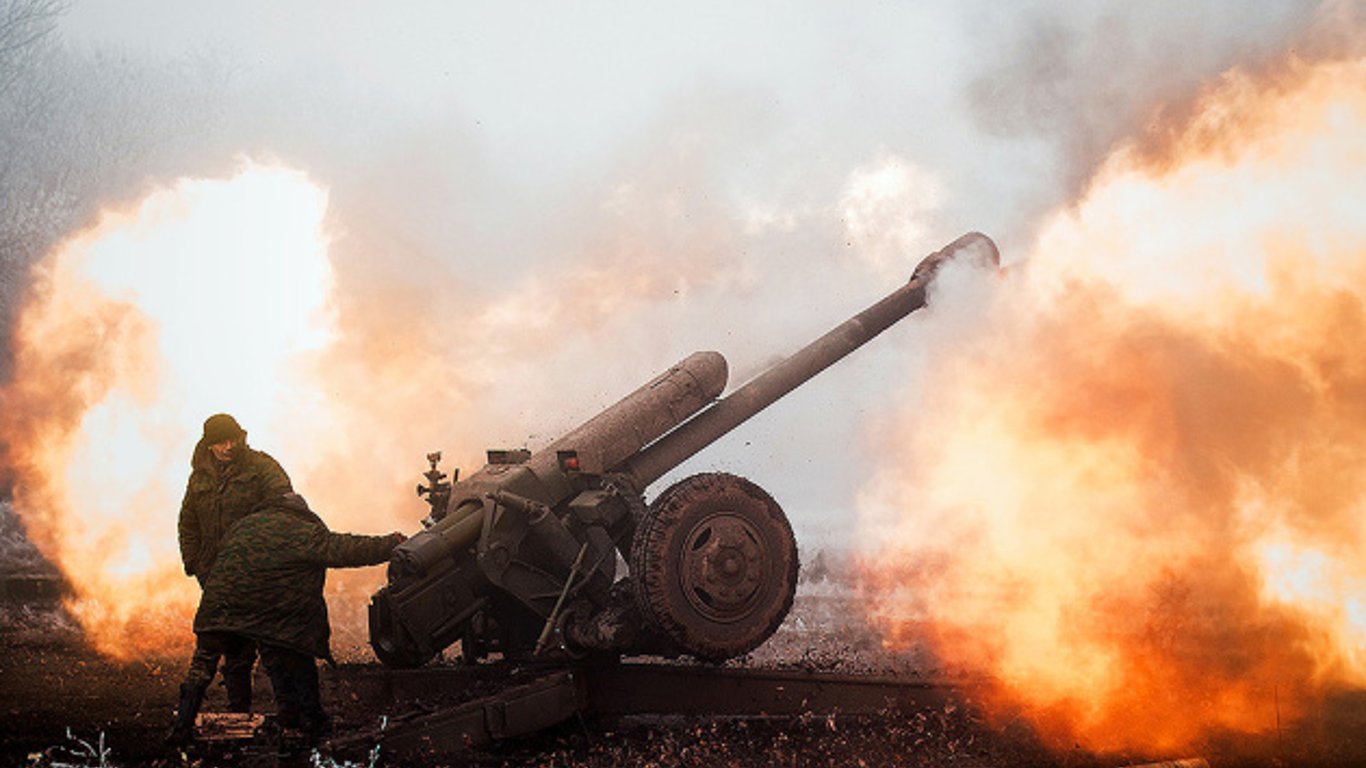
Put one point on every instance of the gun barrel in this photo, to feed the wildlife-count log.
(516, 533)
(762, 391)
(641, 417)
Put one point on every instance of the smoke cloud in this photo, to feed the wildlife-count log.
(1129, 491)
(530, 211)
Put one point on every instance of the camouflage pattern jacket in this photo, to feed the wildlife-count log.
(268, 581)
(217, 496)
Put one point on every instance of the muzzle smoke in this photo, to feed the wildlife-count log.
(1130, 489)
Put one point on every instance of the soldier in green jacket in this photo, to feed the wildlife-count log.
(228, 478)
(268, 586)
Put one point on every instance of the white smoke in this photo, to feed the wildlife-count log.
(557, 202)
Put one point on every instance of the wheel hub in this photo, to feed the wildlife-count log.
(723, 567)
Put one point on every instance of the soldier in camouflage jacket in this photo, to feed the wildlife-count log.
(268, 586)
(222, 491)
(228, 478)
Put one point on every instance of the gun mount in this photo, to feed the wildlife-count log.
(521, 557)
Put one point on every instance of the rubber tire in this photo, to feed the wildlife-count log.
(683, 513)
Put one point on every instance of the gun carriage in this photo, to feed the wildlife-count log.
(522, 557)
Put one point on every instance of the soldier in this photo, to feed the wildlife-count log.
(268, 586)
(228, 478)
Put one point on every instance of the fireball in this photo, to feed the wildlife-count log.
(1140, 466)
(206, 296)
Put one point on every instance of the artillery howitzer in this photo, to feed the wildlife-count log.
(521, 557)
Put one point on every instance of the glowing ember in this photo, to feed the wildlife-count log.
(198, 300)
(1138, 471)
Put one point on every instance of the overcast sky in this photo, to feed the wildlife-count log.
(490, 138)
(550, 88)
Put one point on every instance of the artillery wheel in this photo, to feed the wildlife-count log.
(714, 565)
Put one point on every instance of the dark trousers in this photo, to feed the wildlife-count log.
(238, 654)
(239, 657)
(294, 676)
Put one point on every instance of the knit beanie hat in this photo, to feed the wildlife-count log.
(220, 427)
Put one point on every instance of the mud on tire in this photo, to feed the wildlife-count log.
(714, 565)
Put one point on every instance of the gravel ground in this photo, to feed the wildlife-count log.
(51, 682)
(63, 705)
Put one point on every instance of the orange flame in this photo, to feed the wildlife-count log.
(343, 356)
(133, 332)
(1138, 461)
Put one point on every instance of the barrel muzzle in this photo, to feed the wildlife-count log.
(973, 246)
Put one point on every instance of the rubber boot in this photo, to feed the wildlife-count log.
(182, 730)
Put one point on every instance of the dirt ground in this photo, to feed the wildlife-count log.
(63, 705)
(60, 700)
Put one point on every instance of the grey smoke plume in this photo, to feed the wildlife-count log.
(571, 198)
